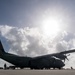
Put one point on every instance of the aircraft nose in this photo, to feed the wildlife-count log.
(63, 64)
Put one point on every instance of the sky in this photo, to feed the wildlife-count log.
(38, 27)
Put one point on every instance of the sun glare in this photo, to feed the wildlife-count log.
(50, 26)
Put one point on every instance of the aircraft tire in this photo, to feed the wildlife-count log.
(31, 68)
(21, 67)
(59, 68)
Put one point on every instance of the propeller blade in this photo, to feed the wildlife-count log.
(67, 59)
(68, 55)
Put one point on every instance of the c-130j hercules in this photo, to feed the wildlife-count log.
(40, 62)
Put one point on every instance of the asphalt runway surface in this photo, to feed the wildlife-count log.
(37, 72)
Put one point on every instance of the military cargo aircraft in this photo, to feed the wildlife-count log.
(40, 62)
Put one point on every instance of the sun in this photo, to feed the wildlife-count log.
(50, 26)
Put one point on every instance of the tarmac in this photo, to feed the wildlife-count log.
(37, 72)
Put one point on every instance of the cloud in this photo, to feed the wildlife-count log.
(23, 41)
(32, 42)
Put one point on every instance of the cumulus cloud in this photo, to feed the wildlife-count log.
(23, 41)
(31, 41)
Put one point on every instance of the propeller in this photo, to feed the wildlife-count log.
(66, 57)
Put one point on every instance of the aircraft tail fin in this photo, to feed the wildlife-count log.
(1, 48)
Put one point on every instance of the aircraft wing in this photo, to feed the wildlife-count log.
(63, 52)
(58, 55)
(66, 52)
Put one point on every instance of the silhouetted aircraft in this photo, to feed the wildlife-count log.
(40, 62)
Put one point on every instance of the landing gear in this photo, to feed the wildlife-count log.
(31, 68)
(21, 67)
(59, 68)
